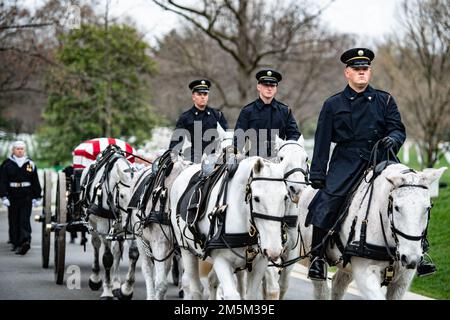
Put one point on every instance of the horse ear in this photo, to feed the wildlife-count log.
(301, 141)
(278, 142)
(396, 179)
(432, 175)
(258, 166)
(220, 131)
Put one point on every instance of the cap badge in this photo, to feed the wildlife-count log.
(203, 82)
(269, 73)
(360, 52)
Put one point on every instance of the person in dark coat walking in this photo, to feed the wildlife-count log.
(355, 119)
(193, 123)
(19, 190)
(261, 120)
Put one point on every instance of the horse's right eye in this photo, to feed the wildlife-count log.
(256, 199)
(396, 208)
(281, 158)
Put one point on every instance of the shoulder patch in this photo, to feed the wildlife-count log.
(248, 105)
(32, 164)
(381, 91)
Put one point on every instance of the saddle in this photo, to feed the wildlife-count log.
(192, 204)
(139, 191)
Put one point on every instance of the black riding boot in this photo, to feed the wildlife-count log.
(318, 267)
(426, 267)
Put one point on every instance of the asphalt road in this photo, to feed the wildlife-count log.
(23, 278)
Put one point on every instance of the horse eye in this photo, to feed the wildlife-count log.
(256, 199)
(396, 208)
(281, 158)
(122, 196)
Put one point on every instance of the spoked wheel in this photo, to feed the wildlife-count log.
(46, 218)
(60, 233)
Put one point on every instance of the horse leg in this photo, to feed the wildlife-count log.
(340, 282)
(147, 271)
(117, 255)
(367, 278)
(241, 282)
(270, 285)
(254, 277)
(108, 261)
(126, 289)
(213, 284)
(95, 281)
(225, 273)
(398, 287)
(161, 269)
(191, 274)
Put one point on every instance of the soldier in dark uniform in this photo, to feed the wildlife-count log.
(355, 119)
(20, 190)
(200, 116)
(265, 117)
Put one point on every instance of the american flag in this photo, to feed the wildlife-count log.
(86, 153)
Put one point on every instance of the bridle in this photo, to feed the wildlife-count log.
(298, 169)
(390, 212)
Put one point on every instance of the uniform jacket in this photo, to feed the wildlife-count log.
(10, 172)
(208, 118)
(355, 122)
(260, 116)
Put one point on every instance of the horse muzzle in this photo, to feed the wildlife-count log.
(272, 255)
(408, 263)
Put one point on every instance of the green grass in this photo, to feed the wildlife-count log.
(438, 285)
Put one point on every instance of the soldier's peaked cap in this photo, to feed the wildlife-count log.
(357, 57)
(201, 85)
(268, 76)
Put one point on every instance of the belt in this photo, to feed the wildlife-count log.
(366, 144)
(19, 184)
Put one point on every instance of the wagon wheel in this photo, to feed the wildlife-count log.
(60, 233)
(47, 215)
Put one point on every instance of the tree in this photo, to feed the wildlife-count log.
(100, 90)
(416, 65)
(253, 33)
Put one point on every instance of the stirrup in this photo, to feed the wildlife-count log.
(426, 266)
(318, 274)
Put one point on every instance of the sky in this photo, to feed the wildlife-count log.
(370, 20)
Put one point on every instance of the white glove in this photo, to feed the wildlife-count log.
(36, 202)
(6, 202)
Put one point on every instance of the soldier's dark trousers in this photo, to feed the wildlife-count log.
(20, 213)
(10, 227)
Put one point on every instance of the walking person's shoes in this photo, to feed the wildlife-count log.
(23, 249)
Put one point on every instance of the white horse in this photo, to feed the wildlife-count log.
(107, 194)
(292, 155)
(155, 237)
(152, 227)
(261, 184)
(399, 211)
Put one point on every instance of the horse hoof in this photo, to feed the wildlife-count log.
(116, 292)
(106, 298)
(122, 296)
(181, 294)
(95, 285)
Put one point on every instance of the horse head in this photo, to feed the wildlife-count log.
(408, 209)
(293, 156)
(267, 205)
(121, 176)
